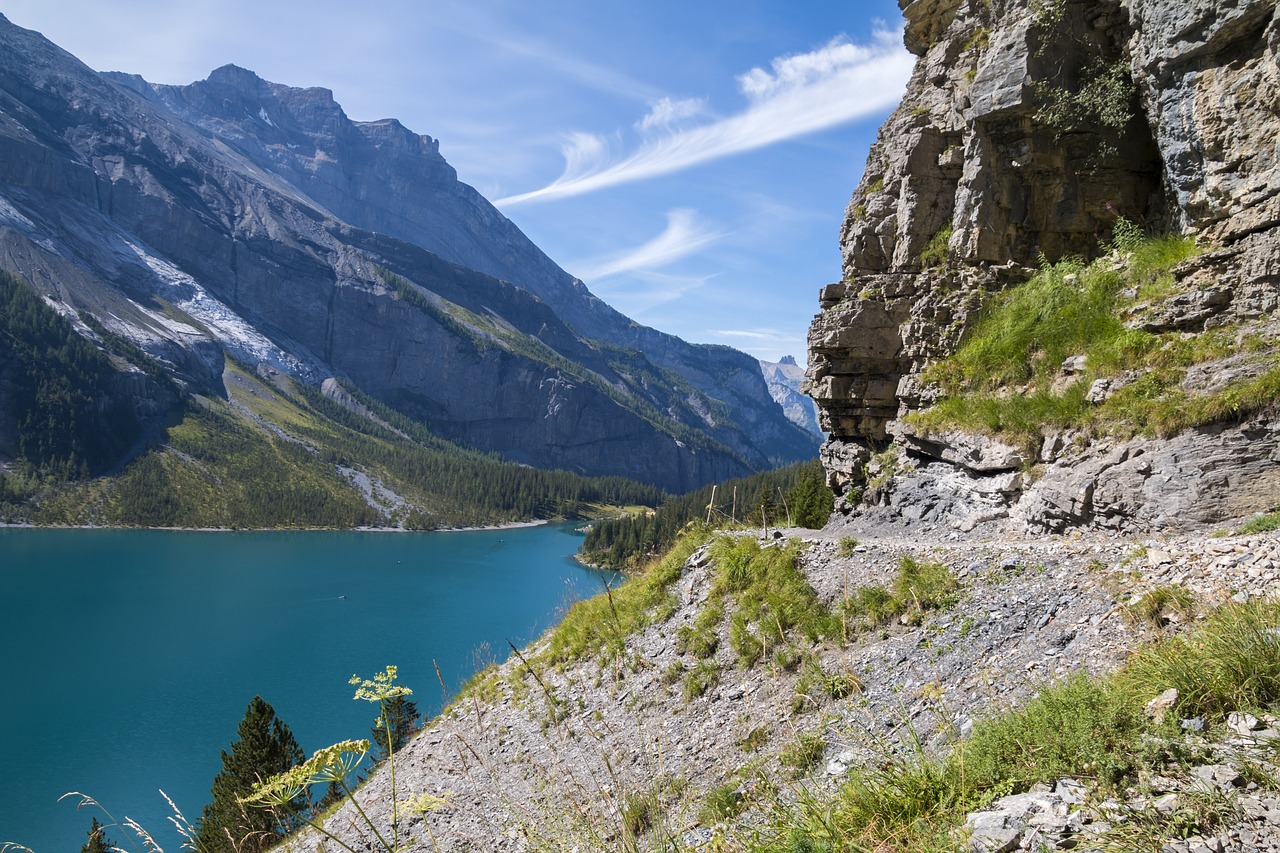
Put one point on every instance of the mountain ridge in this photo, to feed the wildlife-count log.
(188, 230)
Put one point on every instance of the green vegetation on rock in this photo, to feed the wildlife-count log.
(1089, 727)
(1008, 377)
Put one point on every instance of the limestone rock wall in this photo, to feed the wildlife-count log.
(975, 178)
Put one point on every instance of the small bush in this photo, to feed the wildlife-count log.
(1156, 605)
(805, 753)
(700, 679)
(1081, 726)
(848, 545)
(724, 802)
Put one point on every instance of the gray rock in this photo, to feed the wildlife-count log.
(967, 151)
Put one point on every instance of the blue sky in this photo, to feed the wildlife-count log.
(690, 161)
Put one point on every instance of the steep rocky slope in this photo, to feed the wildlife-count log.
(240, 216)
(554, 752)
(1028, 132)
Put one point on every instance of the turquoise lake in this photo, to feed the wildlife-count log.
(129, 656)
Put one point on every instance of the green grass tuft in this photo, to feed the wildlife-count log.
(1261, 524)
(917, 588)
(1231, 663)
(1156, 606)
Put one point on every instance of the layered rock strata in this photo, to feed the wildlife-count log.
(985, 169)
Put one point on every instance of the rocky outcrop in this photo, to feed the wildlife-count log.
(235, 214)
(1027, 131)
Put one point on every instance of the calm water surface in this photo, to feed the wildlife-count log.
(127, 657)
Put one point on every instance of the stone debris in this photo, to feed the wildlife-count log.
(518, 765)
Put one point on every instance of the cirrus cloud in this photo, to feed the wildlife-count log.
(683, 236)
(838, 83)
(665, 112)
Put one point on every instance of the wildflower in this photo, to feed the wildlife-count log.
(331, 764)
(380, 688)
(421, 804)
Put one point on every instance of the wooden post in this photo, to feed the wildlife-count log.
(712, 503)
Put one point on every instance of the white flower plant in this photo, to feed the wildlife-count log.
(333, 764)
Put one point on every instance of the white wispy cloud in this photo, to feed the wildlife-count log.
(750, 334)
(683, 236)
(666, 112)
(477, 21)
(801, 94)
(769, 344)
(640, 294)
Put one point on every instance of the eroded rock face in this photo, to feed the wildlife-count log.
(974, 179)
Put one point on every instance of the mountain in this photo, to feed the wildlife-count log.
(1061, 282)
(784, 379)
(236, 216)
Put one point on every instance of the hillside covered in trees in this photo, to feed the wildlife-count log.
(795, 496)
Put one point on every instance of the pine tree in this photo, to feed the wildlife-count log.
(265, 747)
(811, 501)
(98, 841)
(402, 713)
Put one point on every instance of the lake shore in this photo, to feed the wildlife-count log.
(199, 624)
(510, 525)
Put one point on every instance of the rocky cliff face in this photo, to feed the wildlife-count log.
(235, 214)
(1027, 131)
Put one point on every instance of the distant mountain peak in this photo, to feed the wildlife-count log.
(787, 359)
